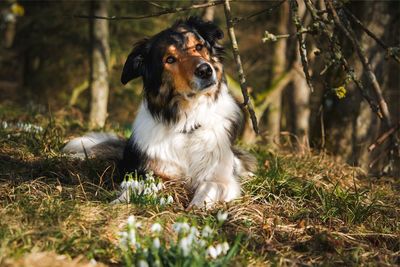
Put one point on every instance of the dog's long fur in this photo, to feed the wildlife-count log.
(187, 121)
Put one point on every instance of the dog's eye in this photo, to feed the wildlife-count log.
(170, 60)
(199, 47)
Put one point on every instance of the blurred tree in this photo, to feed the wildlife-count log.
(208, 12)
(300, 96)
(274, 109)
(99, 58)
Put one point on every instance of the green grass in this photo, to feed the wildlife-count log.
(297, 209)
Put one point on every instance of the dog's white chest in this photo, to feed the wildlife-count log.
(193, 147)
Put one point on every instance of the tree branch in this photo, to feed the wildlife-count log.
(163, 12)
(301, 41)
(370, 74)
(388, 49)
(242, 78)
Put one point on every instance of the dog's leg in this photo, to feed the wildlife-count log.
(210, 192)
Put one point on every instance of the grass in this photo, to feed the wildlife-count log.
(297, 210)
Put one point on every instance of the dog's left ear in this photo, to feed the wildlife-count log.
(134, 65)
(208, 30)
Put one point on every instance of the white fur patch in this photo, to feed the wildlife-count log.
(80, 147)
(204, 157)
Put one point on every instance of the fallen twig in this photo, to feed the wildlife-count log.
(384, 137)
(242, 78)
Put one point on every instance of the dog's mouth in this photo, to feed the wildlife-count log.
(208, 85)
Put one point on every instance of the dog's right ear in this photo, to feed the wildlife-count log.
(134, 64)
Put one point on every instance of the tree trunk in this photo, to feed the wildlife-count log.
(274, 109)
(208, 12)
(300, 99)
(100, 53)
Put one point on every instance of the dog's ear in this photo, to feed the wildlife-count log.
(208, 30)
(134, 64)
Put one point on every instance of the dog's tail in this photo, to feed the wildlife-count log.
(96, 145)
(245, 164)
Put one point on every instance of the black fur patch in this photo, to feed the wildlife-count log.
(133, 159)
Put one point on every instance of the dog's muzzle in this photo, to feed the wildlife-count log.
(205, 76)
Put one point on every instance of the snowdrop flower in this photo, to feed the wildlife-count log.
(225, 247)
(147, 191)
(185, 245)
(170, 200)
(218, 248)
(212, 252)
(132, 237)
(202, 242)
(181, 227)
(156, 228)
(143, 263)
(160, 186)
(222, 216)
(123, 239)
(150, 177)
(207, 231)
(124, 185)
(154, 188)
(131, 221)
(156, 243)
(162, 201)
(194, 231)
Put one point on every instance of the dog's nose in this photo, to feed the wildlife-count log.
(204, 71)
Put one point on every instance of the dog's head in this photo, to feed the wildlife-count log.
(177, 64)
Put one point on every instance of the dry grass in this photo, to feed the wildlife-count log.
(297, 210)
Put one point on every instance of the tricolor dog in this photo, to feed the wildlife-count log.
(187, 121)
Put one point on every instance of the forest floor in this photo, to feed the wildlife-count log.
(297, 210)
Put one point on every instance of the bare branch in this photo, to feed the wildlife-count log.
(242, 78)
(370, 74)
(301, 41)
(372, 35)
(337, 54)
(266, 10)
(163, 12)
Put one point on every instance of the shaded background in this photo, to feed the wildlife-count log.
(45, 65)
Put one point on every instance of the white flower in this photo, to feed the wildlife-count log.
(212, 252)
(207, 231)
(150, 177)
(160, 186)
(218, 248)
(222, 216)
(123, 185)
(147, 191)
(156, 243)
(131, 221)
(143, 263)
(181, 227)
(202, 242)
(194, 231)
(156, 228)
(154, 187)
(132, 237)
(185, 244)
(162, 201)
(123, 240)
(225, 247)
(170, 200)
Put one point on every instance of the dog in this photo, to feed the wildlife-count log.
(187, 121)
